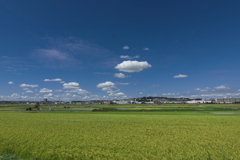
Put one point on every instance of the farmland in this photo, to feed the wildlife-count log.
(152, 133)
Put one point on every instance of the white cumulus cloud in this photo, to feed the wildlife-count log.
(45, 90)
(111, 89)
(146, 49)
(48, 95)
(181, 76)
(29, 85)
(106, 85)
(71, 85)
(74, 87)
(10, 82)
(119, 75)
(82, 91)
(132, 66)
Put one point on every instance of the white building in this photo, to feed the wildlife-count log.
(121, 102)
(199, 101)
(227, 100)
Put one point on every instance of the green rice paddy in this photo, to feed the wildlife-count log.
(63, 134)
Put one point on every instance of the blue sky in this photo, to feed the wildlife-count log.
(110, 49)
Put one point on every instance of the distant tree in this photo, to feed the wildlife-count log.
(28, 109)
(37, 105)
(112, 103)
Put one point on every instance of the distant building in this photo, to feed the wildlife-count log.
(121, 102)
(197, 101)
(227, 100)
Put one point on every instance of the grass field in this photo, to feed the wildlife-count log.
(125, 107)
(120, 135)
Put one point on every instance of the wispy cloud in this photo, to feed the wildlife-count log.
(76, 46)
(128, 57)
(29, 85)
(222, 87)
(181, 76)
(121, 83)
(52, 80)
(15, 95)
(221, 71)
(217, 95)
(72, 52)
(146, 49)
(29, 91)
(120, 75)
(16, 64)
(54, 58)
(126, 48)
(203, 89)
(79, 91)
(53, 54)
(58, 90)
(170, 94)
